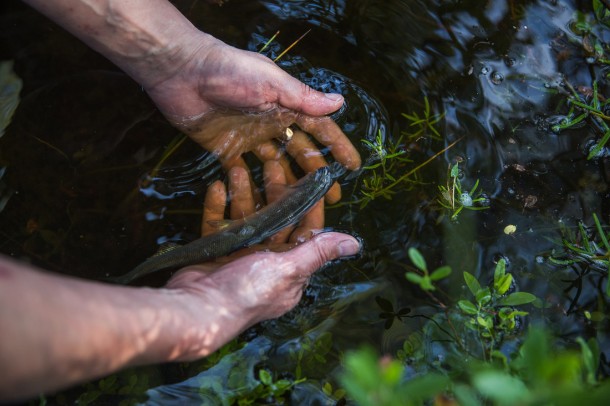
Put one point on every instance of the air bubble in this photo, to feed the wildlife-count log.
(484, 70)
(497, 78)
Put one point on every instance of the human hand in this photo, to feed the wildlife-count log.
(232, 101)
(250, 285)
(243, 204)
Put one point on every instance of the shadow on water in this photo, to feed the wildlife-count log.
(85, 139)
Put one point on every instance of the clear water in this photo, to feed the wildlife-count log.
(84, 140)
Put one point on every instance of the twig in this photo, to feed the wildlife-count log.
(291, 45)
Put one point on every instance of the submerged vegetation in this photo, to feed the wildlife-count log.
(500, 322)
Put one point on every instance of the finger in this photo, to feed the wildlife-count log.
(275, 187)
(295, 95)
(268, 151)
(306, 258)
(242, 201)
(314, 220)
(238, 162)
(328, 133)
(309, 157)
(213, 207)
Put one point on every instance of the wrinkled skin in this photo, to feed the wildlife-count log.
(233, 101)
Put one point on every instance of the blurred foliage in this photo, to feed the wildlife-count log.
(531, 371)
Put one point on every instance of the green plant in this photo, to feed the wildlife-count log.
(535, 373)
(311, 353)
(588, 247)
(383, 167)
(388, 313)
(581, 110)
(380, 382)
(268, 389)
(387, 168)
(454, 199)
(425, 281)
(423, 126)
(492, 314)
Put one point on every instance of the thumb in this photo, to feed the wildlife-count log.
(311, 255)
(296, 95)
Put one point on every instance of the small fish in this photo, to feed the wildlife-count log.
(251, 230)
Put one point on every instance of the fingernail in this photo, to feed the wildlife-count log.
(348, 247)
(333, 96)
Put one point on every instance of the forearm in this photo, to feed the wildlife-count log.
(148, 39)
(58, 331)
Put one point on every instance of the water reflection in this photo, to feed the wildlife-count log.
(500, 71)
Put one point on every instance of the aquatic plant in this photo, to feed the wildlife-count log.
(425, 281)
(491, 315)
(422, 127)
(535, 373)
(587, 105)
(384, 165)
(269, 390)
(493, 312)
(580, 110)
(311, 353)
(588, 248)
(455, 199)
(389, 168)
(529, 372)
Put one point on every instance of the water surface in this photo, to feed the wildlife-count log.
(80, 151)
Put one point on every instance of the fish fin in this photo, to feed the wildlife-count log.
(165, 247)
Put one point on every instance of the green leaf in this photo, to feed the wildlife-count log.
(466, 395)
(503, 284)
(472, 283)
(483, 296)
(417, 259)
(486, 322)
(440, 273)
(502, 388)
(454, 171)
(426, 283)
(413, 277)
(265, 377)
(500, 270)
(467, 307)
(516, 299)
(590, 359)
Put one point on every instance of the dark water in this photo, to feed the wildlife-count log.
(78, 157)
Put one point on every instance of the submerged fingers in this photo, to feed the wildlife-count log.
(240, 193)
(328, 133)
(213, 208)
(275, 187)
(309, 157)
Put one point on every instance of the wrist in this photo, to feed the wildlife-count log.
(189, 324)
(149, 39)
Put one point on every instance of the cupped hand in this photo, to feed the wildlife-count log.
(256, 283)
(233, 101)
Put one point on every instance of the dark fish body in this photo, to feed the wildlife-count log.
(251, 230)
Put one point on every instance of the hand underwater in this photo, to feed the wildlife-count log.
(259, 282)
(232, 101)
